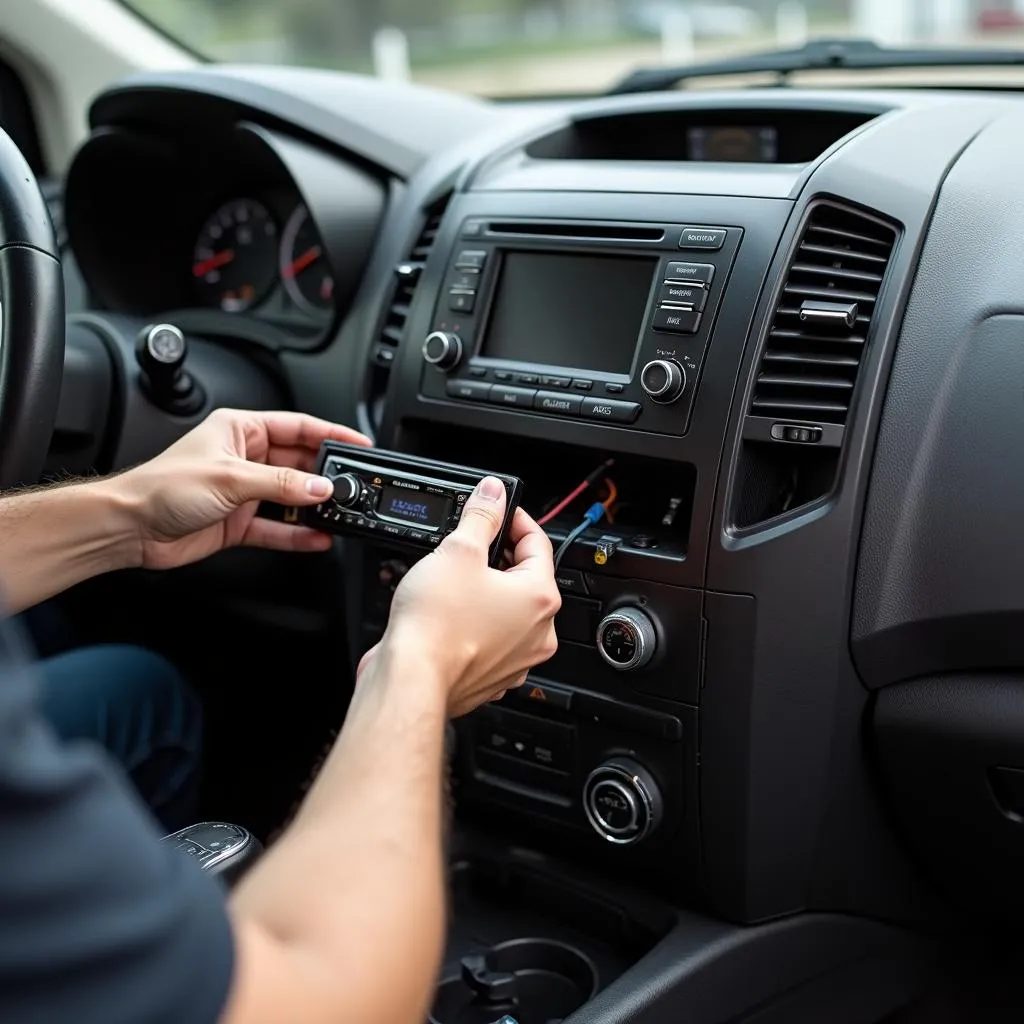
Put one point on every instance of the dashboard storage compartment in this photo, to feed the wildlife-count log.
(756, 135)
(950, 751)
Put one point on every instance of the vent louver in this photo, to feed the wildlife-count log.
(407, 274)
(809, 366)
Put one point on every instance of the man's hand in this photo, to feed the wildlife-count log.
(200, 496)
(479, 629)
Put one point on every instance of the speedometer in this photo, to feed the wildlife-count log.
(235, 258)
(305, 272)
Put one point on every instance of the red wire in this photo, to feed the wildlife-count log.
(563, 504)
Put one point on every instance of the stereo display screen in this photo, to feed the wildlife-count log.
(584, 312)
(429, 511)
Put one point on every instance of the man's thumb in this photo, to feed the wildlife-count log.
(281, 484)
(484, 512)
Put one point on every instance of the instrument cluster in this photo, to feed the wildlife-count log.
(236, 231)
(263, 256)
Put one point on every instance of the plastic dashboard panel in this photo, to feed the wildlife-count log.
(785, 793)
(941, 578)
(940, 588)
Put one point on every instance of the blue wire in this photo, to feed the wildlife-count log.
(591, 517)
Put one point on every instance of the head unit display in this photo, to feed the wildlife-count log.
(567, 310)
(606, 323)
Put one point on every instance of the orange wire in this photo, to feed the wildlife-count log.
(613, 493)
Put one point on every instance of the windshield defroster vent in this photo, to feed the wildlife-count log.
(407, 276)
(821, 326)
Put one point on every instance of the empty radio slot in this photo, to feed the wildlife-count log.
(648, 503)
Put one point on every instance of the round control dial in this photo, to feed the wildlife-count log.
(347, 489)
(622, 801)
(442, 349)
(627, 639)
(663, 380)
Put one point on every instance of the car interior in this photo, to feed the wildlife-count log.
(774, 335)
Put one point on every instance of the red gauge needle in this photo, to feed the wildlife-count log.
(297, 266)
(218, 259)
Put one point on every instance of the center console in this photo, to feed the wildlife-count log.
(677, 348)
(591, 357)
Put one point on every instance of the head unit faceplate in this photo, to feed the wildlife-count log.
(585, 321)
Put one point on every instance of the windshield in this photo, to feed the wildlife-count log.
(547, 47)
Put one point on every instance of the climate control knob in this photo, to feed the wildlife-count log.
(622, 801)
(347, 489)
(663, 380)
(627, 639)
(442, 349)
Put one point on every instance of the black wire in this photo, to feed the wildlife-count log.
(570, 540)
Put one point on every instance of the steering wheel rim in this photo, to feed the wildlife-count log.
(31, 321)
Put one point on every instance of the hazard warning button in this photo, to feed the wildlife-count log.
(536, 692)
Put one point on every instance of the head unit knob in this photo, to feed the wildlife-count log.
(347, 489)
(626, 639)
(622, 801)
(663, 380)
(442, 349)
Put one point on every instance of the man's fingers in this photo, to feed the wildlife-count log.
(483, 515)
(253, 481)
(297, 430)
(532, 550)
(266, 533)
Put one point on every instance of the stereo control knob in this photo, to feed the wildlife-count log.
(347, 489)
(627, 639)
(442, 349)
(663, 380)
(622, 801)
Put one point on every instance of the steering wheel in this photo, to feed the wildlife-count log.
(31, 321)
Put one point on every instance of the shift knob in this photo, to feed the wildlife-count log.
(161, 351)
(218, 847)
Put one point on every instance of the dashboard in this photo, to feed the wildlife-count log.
(774, 331)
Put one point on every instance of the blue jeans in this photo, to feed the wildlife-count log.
(136, 705)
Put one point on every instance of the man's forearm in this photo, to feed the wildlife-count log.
(55, 537)
(356, 886)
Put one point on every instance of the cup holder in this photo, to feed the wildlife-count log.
(535, 981)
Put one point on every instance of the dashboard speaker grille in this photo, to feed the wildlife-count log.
(407, 276)
(808, 370)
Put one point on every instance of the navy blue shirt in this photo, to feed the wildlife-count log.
(100, 923)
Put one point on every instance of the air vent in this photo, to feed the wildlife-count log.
(817, 341)
(407, 274)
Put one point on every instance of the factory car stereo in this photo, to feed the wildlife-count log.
(400, 498)
(603, 322)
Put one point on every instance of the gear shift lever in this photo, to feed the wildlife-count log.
(161, 352)
(218, 847)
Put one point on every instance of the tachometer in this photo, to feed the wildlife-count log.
(235, 259)
(304, 269)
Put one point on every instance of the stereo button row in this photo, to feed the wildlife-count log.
(464, 281)
(560, 404)
(682, 298)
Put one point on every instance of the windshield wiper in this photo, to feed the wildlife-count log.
(818, 55)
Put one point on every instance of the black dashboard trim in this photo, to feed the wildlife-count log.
(232, 95)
